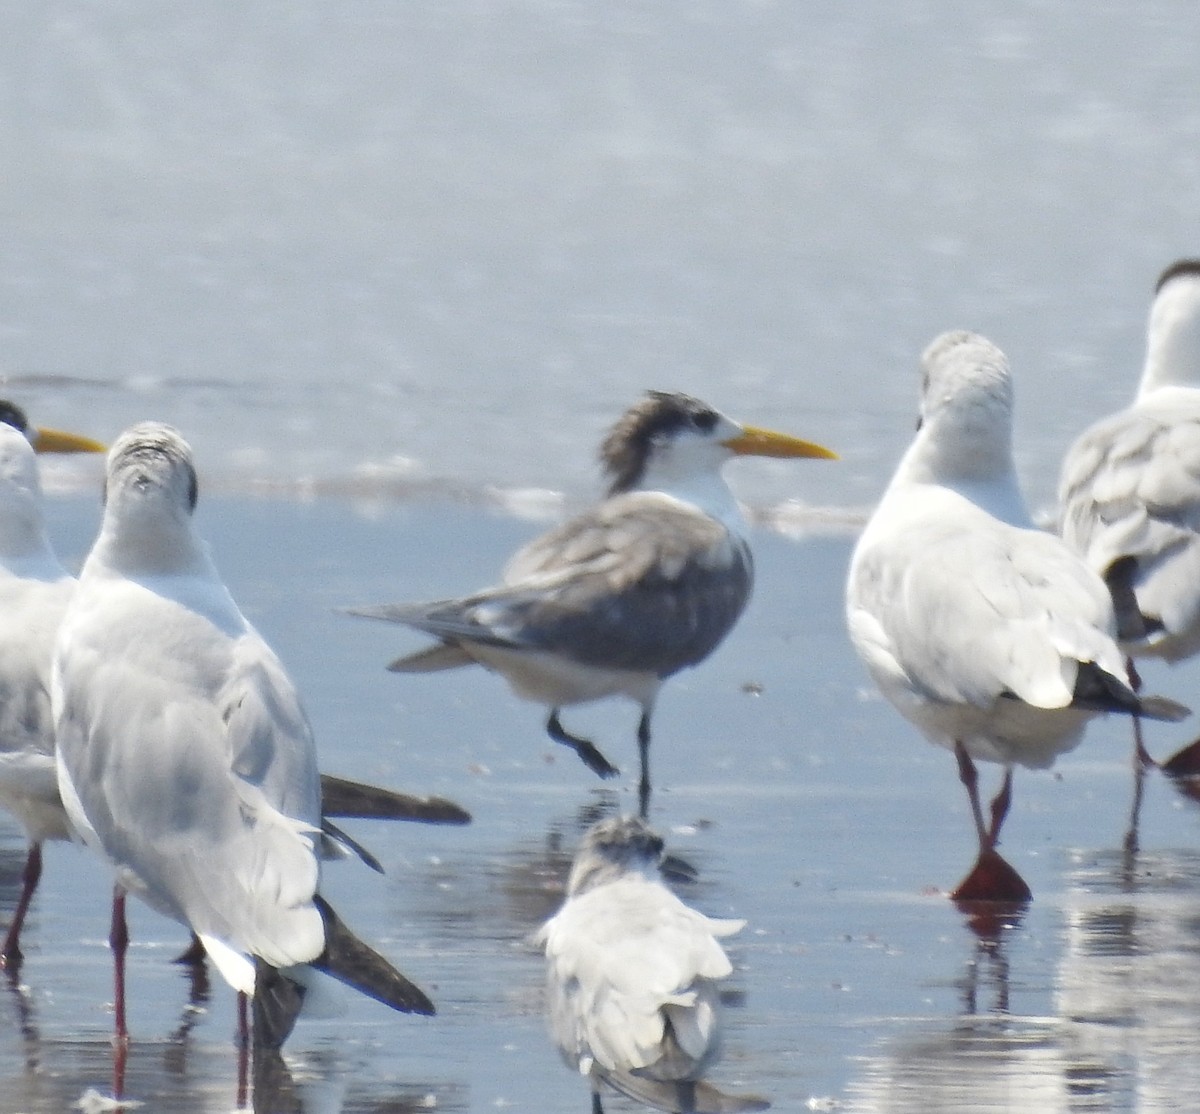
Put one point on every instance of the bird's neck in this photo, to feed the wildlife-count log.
(985, 477)
(152, 545)
(24, 544)
(1172, 348)
(706, 491)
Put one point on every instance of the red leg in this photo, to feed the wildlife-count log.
(243, 1043)
(968, 775)
(1000, 805)
(991, 878)
(118, 940)
(10, 956)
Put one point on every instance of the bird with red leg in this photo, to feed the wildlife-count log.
(988, 634)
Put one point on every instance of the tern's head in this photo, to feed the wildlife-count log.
(21, 520)
(965, 430)
(1173, 332)
(45, 440)
(22, 529)
(611, 848)
(667, 436)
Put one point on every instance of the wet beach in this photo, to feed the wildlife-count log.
(806, 806)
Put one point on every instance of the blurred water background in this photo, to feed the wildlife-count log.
(393, 268)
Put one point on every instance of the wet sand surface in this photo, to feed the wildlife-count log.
(805, 804)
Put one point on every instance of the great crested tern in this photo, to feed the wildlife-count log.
(633, 977)
(184, 757)
(34, 590)
(993, 637)
(617, 599)
(1129, 492)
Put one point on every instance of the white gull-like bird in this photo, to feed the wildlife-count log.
(990, 635)
(34, 591)
(184, 757)
(619, 598)
(633, 977)
(1129, 491)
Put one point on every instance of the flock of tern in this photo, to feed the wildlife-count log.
(143, 716)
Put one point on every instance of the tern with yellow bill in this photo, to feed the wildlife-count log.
(34, 592)
(619, 598)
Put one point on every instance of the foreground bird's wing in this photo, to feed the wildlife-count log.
(192, 771)
(642, 582)
(355, 800)
(1130, 487)
(961, 608)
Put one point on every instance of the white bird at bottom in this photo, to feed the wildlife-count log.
(633, 977)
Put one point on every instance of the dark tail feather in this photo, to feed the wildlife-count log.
(684, 1097)
(338, 836)
(356, 964)
(277, 1003)
(1132, 625)
(1159, 707)
(355, 800)
(1099, 691)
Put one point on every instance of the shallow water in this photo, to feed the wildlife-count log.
(805, 805)
(394, 268)
(390, 247)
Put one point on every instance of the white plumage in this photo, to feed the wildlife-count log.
(632, 976)
(990, 635)
(34, 592)
(1129, 491)
(184, 756)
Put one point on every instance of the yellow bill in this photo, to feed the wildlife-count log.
(55, 441)
(765, 442)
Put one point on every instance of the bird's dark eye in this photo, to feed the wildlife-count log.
(704, 420)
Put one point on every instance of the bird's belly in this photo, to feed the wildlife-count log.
(556, 681)
(1010, 731)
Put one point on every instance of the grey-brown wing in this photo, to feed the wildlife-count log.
(639, 583)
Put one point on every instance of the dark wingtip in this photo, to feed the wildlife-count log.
(1161, 708)
(276, 1005)
(355, 800)
(359, 965)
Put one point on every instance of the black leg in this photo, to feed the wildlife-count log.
(597, 1105)
(643, 737)
(591, 757)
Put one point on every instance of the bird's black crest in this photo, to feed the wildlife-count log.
(624, 451)
(1179, 267)
(11, 414)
